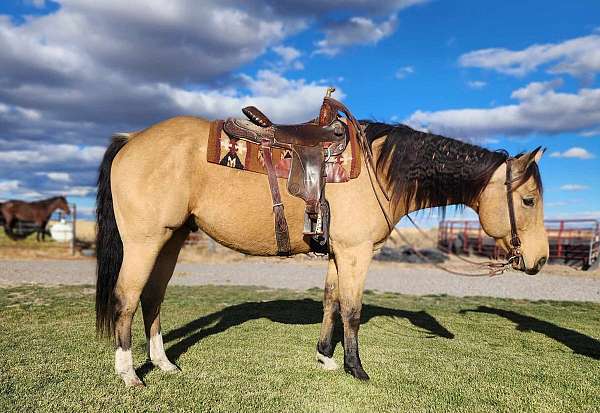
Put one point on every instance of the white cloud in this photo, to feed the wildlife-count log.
(63, 93)
(579, 57)
(86, 211)
(8, 186)
(76, 191)
(476, 84)
(590, 132)
(356, 30)
(404, 71)
(56, 176)
(40, 4)
(289, 58)
(574, 187)
(577, 215)
(285, 100)
(540, 109)
(574, 152)
(51, 154)
(558, 204)
(19, 190)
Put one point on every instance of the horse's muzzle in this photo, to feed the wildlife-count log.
(538, 266)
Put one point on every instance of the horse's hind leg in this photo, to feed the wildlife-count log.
(331, 306)
(352, 264)
(139, 258)
(153, 295)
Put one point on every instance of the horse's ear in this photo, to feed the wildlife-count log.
(536, 155)
(524, 161)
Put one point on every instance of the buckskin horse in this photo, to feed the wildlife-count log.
(38, 212)
(156, 185)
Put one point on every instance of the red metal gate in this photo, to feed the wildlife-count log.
(572, 241)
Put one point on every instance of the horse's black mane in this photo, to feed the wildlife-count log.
(434, 170)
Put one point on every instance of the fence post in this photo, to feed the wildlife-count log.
(74, 228)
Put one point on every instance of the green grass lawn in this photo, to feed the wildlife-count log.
(29, 241)
(248, 349)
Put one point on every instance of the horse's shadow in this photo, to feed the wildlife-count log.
(299, 312)
(578, 342)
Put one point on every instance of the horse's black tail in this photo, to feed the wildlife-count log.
(109, 246)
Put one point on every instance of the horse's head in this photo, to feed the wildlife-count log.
(63, 205)
(494, 212)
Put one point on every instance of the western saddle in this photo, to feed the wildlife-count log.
(311, 145)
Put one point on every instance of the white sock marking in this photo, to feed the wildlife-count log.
(123, 360)
(328, 363)
(156, 350)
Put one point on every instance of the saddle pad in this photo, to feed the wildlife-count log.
(240, 154)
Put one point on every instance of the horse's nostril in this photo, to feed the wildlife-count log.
(541, 262)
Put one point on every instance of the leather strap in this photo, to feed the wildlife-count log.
(366, 148)
(515, 241)
(282, 235)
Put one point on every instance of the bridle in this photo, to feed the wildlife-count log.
(514, 255)
(493, 268)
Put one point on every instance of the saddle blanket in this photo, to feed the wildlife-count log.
(240, 154)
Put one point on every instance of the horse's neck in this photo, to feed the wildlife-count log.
(436, 186)
(473, 204)
(52, 206)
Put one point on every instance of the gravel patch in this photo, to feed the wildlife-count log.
(281, 273)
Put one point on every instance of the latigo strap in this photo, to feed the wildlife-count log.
(282, 234)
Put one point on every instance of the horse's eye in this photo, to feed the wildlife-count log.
(529, 202)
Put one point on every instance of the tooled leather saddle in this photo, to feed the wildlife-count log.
(311, 145)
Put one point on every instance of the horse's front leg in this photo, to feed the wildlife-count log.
(331, 306)
(8, 226)
(352, 265)
(43, 230)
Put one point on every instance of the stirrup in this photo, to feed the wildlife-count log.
(313, 225)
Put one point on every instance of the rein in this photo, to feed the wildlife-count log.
(493, 268)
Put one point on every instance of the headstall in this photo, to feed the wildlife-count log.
(514, 254)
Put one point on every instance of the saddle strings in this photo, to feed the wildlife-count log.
(493, 268)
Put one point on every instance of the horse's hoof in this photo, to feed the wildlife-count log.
(358, 373)
(166, 366)
(327, 363)
(131, 380)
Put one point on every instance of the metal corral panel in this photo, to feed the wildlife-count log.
(572, 241)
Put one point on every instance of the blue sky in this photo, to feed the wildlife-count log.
(510, 74)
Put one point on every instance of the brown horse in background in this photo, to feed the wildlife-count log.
(38, 212)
